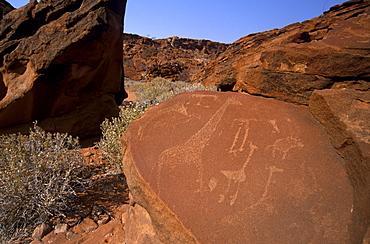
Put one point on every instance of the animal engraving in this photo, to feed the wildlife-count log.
(281, 147)
(190, 153)
(237, 177)
(272, 170)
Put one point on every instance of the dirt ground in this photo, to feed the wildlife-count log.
(102, 211)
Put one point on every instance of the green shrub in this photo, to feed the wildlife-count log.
(160, 89)
(112, 131)
(147, 94)
(39, 174)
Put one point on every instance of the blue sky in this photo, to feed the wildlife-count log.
(222, 20)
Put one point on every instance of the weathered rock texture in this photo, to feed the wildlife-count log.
(173, 58)
(61, 64)
(345, 115)
(332, 50)
(235, 168)
(5, 8)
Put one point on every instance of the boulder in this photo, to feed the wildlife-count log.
(212, 167)
(171, 58)
(61, 64)
(329, 51)
(345, 114)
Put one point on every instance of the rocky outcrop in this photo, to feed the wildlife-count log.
(236, 168)
(345, 115)
(173, 58)
(5, 8)
(330, 51)
(61, 64)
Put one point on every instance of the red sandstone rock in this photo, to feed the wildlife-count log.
(234, 168)
(113, 232)
(345, 115)
(40, 231)
(289, 63)
(61, 65)
(174, 58)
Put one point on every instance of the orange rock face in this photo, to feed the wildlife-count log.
(61, 65)
(173, 58)
(345, 115)
(235, 168)
(331, 50)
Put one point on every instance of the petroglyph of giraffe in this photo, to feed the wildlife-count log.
(237, 176)
(190, 153)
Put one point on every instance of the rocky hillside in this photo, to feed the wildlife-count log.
(329, 51)
(174, 58)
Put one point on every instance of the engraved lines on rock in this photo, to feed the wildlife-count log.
(190, 153)
(280, 149)
(237, 176)
(284, 145)
(178, 108)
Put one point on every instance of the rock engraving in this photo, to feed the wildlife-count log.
(190, 153)
(237, 177)
(283, 146)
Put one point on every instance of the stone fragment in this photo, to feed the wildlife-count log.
(61, 65)
(345, 114)
(211, 167)
(113, 232)
(72, 220)
(290, 63)
(103, 219)
(60, 228)
(86, 226)
(36, 242)
(139, 227)
(40, 231)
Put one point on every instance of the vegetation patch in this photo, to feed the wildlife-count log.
(160, 89)
(42, 173)
(39, 176)
(147, 94)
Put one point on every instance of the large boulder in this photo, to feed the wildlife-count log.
(345, 115)
(211, 167)
(172, 58)
(329, 51)
(61, 64)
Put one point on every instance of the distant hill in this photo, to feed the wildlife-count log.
(174, 58)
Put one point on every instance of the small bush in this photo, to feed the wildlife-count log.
(147, 94)
(39, 174)
(112, 131)
(160, 89)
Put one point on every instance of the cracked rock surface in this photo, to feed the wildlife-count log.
(329, 51)
(61, 64)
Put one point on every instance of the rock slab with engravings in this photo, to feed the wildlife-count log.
(208, 167)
